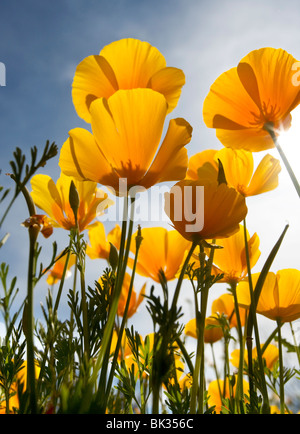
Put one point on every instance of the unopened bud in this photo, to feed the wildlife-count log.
(74, 199)
(138, 238)
(113, 257)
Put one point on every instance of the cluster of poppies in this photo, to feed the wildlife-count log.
(125, 94)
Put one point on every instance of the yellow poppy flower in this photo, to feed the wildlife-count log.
(239, 171)
(124, 64)
(216, 216)
(127, 129)
(242, 100)
(161, 250)
(53, 199)
(230, 260)
(224, 305)
(280, 295)
(270, 355)
(212, 333)
(99, 246)
(135, 300)
(215, 392)
(238, 165)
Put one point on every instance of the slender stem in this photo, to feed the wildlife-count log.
(254, 324)
(282, 405)
(200, 325)
(117, 290)
(216, 369)
(239, 393)
(124, 319)
(180, 279)
(28, 319)
(270, 128)
(33, 233)
(84, 314)
(61, 283)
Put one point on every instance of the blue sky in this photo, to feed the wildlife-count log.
(42, 42)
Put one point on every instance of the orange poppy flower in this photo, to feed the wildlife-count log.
(270, 355)
(161, 250)
(280, 295)
(212, 333)
(224, 305)
(53, 199)
(230, 260)
(259, 91)
(204, 209)
(239, 171)
(215, 393)
(125, 143)
(124, 64)
(238, 165)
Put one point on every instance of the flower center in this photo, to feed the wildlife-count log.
(267, 113)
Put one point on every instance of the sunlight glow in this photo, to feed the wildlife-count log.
(290, 141)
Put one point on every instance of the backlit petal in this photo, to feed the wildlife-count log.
(251, 139)
(46, 195)
(171, 161)
(204, 158)
(169, 82)
(273, 71)
(228, 105)
(81, 157)
(94, 78)
(128, 128)
(238, 167)
(265, 177)
(133, 61)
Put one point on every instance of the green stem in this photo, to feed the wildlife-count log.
(61, 283)
(33, 233)
(270, 128)
(253, 322)
(239, 393)
(122, 263)
(84, 314)
(200, 325)
(216, 369)
(124, 319)
(282, 405)
(28, 319)
(181, 277)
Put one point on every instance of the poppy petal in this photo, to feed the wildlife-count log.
(94, 78)
(133, 121)
(171, 161)
(168, 81)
